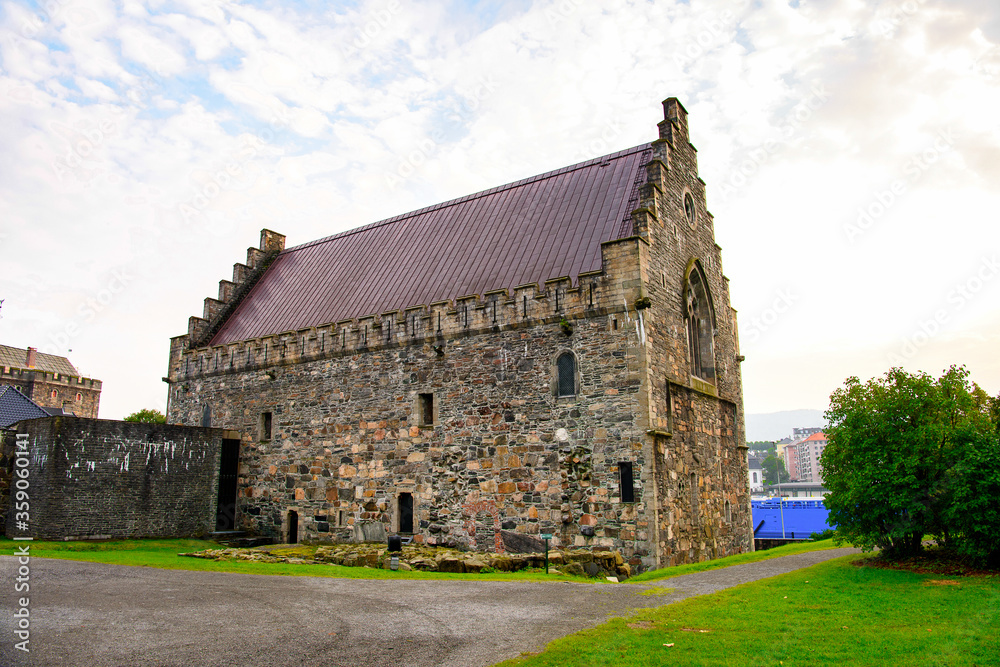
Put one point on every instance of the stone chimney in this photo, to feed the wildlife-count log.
(30, 357)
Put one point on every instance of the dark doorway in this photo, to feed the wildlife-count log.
(293, 527)
(229, 465)
(406, 513)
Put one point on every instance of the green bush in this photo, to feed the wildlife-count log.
(910, 456)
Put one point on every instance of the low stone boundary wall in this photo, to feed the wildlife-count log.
(579, 562)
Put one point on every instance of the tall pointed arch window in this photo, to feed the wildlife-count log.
(699, 319)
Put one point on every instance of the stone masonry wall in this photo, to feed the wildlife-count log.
(93, 477)
(503, 451)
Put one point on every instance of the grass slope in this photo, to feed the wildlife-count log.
(752, 557)
(834, 613)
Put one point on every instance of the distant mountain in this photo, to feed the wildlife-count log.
(778, 425)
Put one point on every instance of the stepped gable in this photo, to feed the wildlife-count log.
(547, 226)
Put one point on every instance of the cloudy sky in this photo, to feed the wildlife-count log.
(851, 151)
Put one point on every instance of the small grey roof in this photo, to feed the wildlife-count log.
(16, 357)
(15, 406)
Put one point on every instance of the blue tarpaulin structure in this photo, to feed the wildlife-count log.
(789, 518)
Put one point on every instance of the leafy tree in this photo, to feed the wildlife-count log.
(147, 416)
(774, 470)
(910, 456)
(762, 446)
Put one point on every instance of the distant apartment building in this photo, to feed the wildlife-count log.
(802, 458)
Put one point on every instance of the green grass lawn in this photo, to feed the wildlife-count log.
(164, 554)
(834, 613)
(752, 557)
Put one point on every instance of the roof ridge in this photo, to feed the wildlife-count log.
(476, 195)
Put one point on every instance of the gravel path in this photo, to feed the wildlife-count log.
(91, 615)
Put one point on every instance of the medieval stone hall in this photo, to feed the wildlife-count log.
(556, 355)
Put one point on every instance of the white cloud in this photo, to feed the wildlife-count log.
(297, 122)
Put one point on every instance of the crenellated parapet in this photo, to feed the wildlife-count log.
(18, 375)
(561, 301)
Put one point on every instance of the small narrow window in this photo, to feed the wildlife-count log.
(566, 371)
(668, 408)
(695, 501)
(79, 398)
(729, 512)
(625, 480)
(293, 526)
(406, 512)
(425, 406)
(265, 426)
(341, 518)
(54, 394)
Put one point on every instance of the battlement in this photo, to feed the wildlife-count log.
(18, 375)
(614, 289)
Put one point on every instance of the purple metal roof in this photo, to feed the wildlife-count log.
(536, 229)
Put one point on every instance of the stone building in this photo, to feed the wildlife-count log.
(50, 381)
(556, 355)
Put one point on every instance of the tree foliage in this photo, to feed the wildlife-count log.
(762, 446)
(910, 456)
(147, 416)
(774, 470)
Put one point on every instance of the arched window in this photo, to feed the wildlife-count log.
(54, 393)
(699, 318)
(79, 398)
(566, 374)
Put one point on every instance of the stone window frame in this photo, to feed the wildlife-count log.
(699, 322)
(556, 377)
(630, 467)
(689, 208)
(419, 410)
(265, 426)
(79, 397)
